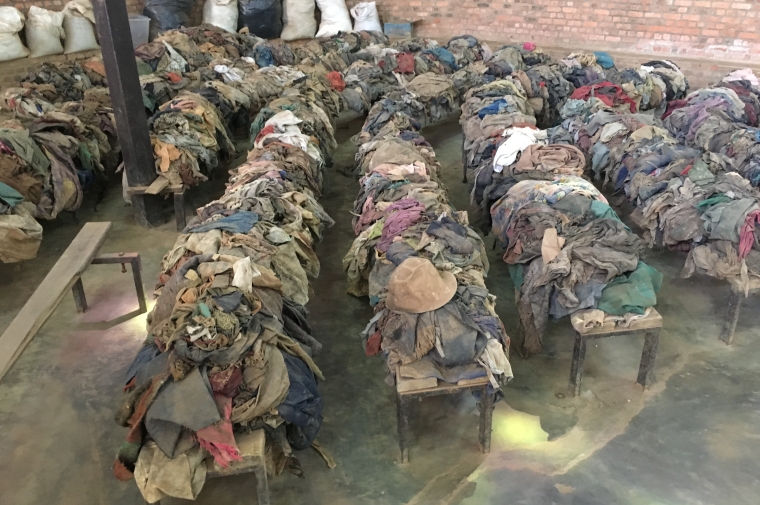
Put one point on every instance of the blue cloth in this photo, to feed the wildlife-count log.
(242, 222)
(263, 57)
(603, 59)
(302, 407)
(10, 195)
(496, 107)
(444, 56)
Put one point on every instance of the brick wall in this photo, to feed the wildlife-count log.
(725, 30)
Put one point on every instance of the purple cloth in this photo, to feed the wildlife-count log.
(400, 216)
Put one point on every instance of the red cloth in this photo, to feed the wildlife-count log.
(529, 46)
(336, 81)
(674, 105)
(686, 170)
(747, 233)
(226, 382)
(373, 344)
(267, 130)
(405, 62)
(610, 94)
(174, 78)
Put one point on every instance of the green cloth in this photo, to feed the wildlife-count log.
(700, 174)
(10, 195)
(257, 124)
(603, 211)
(148, 101)
(631, 293)
(26, 149)
(517, 273)
(142, 67)
(713, 200)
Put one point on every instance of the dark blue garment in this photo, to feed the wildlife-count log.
(263, 57)
(495, 108)
(302, 408)
(144, 356)
(241, 222)
(444, 56)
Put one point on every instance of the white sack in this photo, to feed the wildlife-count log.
(44, 31)
(298, 17)
(221, 13)
(78, 25)
(366, 17)
(335, 18)
(11, 22)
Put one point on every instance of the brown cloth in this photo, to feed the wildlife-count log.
(546, 161)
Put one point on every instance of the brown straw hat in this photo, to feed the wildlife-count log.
(416, 286)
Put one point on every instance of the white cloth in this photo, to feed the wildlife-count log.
(518, 140)
(743, 74)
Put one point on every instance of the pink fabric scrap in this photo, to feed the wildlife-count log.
(747, 233)
(401, 215)
(218, 438)
(529, 46)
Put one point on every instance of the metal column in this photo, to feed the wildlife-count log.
(112, 24)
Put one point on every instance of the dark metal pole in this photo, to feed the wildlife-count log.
(112, 24)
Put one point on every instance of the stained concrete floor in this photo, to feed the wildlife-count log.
(690, 439)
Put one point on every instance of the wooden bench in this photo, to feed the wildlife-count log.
(734, 305)
(252, 448)
(161, 187)
(408, 390)
(649, 326)
(65, 274)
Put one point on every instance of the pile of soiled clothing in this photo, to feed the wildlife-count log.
(421, 265)
(653, 87)
(184, 131)
(229, 345)
(487, 112)
(746, 85)
(582, 69)
(20, 233)
(684, 198)
(568, 251)
(716, 120)
(62, 82)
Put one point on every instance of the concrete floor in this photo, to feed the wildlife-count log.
(691, 439)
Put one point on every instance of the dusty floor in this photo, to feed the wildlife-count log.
(691, 439)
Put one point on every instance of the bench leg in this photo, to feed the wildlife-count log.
(732, 316)
(262, 485)
(137, 274)
(79, 299)
(179, 210)
(576, 369)
(402, 414)
(464, 162)
(486, 419)
(648, 355)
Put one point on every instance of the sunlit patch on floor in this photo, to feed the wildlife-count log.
(514, 429)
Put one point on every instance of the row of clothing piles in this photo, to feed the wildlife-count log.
(690, 184)
(415, 256)
(229, 346)
(50, 155)
(200, 86)
(229, 334)
(566, 248)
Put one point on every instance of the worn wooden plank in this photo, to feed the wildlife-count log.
(157, 186)
(653, 320)
(50, 292)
